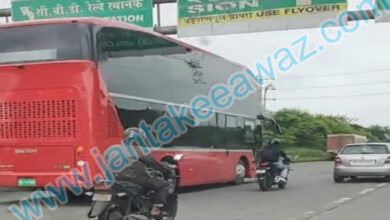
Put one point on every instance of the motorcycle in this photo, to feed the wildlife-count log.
(268, 175)
(129, 201)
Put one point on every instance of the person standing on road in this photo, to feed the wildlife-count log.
(273, 153)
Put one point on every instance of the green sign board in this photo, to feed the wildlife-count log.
(248, 13)
(139, 12)
(383, 7)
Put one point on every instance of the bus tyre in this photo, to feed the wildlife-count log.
(240, 173)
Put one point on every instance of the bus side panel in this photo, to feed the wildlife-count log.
(190, 167)
(200, 167)
(228, 160)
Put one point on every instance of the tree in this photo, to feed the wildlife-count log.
(302, 129)
(382, 133)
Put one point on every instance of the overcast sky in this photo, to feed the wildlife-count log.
(362, 57)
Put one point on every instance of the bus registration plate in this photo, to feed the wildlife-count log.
(27, 182)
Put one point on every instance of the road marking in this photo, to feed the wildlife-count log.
(381, 184)
(366, 191)
(342, 200)
(310, 213)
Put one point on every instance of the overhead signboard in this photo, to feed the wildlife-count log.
(383, 7)
(139, 12)
(213, 17)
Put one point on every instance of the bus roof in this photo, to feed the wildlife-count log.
(108, 23)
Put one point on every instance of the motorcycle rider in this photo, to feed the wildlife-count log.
(272, 153)
(136, 172)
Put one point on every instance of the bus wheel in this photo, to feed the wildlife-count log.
(240, 173)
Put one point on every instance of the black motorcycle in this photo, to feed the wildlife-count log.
(129, 201)
(268, 175)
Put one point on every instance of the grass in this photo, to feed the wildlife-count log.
(305, 155)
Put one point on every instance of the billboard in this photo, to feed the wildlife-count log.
(139, 12)
(213, 17)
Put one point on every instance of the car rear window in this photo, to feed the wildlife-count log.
(365, 149)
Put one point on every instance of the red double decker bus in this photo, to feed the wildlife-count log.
(68, 85)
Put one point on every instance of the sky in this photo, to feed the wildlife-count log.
(360, 59)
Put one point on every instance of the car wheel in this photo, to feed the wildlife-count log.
(338, 179)
(240, 173)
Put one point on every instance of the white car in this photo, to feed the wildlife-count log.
(368, 159)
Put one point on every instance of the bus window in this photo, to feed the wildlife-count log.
(221, 121)
(240, 122)
(212, 122)
(45, 43)
(116, 42)
(231, 121)
(142, 65)
(249, 131)
(131, 111)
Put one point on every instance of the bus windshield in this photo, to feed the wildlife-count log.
(44, 43)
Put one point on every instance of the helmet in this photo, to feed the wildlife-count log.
(275, 142)
(133, 132)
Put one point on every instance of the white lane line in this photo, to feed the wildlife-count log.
(342, 200)
(310, 213)
(382, 185)
(366, 191)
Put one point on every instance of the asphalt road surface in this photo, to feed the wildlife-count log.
(311, 194)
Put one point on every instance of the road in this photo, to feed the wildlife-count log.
(311, 194)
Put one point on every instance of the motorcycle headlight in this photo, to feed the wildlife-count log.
(178, 157)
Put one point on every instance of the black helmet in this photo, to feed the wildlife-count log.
(275, 142)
